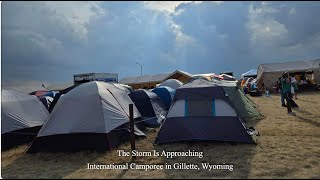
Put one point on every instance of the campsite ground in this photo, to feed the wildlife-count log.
(288, 147)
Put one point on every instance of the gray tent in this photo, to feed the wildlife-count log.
(22, 115)
(202, 110)
(93, 116)
(172, 83)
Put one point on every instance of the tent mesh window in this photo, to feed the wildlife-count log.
(199, 107)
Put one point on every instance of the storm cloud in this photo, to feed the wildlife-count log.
(48, 42)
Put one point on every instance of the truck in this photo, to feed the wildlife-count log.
(87, 77)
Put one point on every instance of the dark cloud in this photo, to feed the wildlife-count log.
(51, 41)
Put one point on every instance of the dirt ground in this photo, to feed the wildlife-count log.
(288, 147)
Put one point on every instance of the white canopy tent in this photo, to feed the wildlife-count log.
(269, 73)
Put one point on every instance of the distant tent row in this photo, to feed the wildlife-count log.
(95, 115)
(212, 76)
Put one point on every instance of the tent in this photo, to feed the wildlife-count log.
(207, 77)
(150, 106)
(50, 94)
(124, 87)
(269, 73)
(22, 115)
(165, 94)
(58, 95)
(251, 73)
(172, 83)
(202, 110)
(93, 116)
(244, 106)
(227, 77)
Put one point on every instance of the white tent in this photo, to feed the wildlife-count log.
(92, 110)
(21, 111)
(173, 83)
(251, 73)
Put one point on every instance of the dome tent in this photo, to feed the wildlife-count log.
(93, 116)
(172, 83)
(166, 95)
(22, 115)
(150, 107)
(202, 110)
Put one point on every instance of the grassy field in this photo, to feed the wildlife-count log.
(288, 147)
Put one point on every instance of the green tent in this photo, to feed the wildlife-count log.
(245, 106)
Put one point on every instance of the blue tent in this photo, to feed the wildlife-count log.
(150, 107)
(50, 94)
(166, 94)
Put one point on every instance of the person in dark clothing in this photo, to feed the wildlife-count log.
(286, 88)
(279, 84)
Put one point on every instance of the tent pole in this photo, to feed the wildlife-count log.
(133, 145)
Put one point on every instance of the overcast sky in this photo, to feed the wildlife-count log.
(48, 42)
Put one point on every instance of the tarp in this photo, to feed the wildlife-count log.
(227, 77)
(20, 110)
(50, 93)
(39, 93)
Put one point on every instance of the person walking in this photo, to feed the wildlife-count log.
(295, 86)
(286, 88)
(281, 92)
